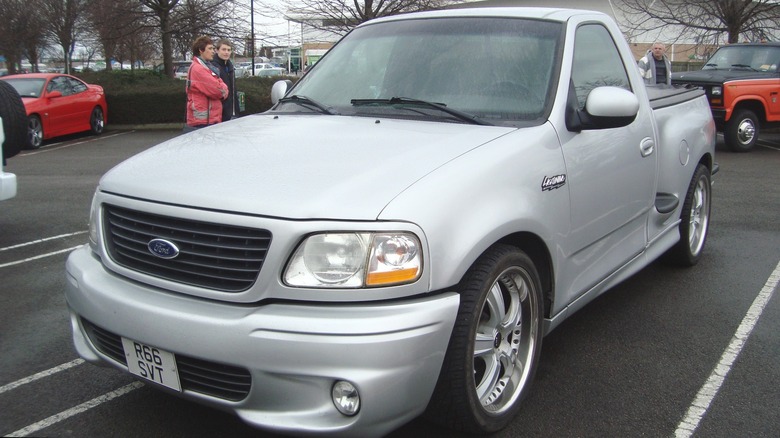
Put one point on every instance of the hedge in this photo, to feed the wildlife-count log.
(148, 97)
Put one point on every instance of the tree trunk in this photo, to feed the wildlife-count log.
(167, 45)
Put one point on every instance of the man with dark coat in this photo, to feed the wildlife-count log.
(227, 73)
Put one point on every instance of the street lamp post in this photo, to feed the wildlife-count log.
(252, 25)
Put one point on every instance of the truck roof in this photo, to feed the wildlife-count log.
(553, 14)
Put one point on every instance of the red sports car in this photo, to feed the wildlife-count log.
(59, 104)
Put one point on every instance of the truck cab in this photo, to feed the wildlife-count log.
(742, 82)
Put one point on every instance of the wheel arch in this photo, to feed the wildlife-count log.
(754, 104)
(44, 123)
(537, 250)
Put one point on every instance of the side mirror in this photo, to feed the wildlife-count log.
(606, 107)
(54, 94)
(279, 89)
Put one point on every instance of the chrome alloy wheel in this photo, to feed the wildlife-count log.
(700, 215)
(35, 131)
(746, 130)
(505, 342)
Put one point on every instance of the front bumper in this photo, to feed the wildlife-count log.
(719, 115)
(392, 351)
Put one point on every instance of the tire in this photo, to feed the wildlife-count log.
(97, 121)
(35, 131)
(14, 121)
(741, 133)
(694, 220)
(495, 344)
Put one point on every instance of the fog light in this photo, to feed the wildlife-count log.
(346, 398)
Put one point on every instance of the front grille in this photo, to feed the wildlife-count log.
(214, 256)
(215, 379)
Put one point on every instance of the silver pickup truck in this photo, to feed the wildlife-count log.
(398, 233)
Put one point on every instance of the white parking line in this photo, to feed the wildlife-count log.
(5, 265)
(33, 242)
(40, 375)
(51, 148)
(707, 393)
(56, 418)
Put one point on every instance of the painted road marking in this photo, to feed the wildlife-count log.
(41, 375)
(95, 402)
(46, 239)
(707, 393)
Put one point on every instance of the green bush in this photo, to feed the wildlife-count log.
(147, 97)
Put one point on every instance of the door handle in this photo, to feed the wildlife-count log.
(646, 147)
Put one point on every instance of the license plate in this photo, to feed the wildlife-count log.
(151, 363)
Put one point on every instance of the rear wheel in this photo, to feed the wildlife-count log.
(96, 121)
(741, 133)
(14, 120)
(35, 131)
(694, 220)
(495, 344)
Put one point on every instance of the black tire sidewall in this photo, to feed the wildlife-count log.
(92, 120)
(455, 403)
(681, 254)
(14, 121)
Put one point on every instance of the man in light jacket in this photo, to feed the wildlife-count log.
(655, 67)
(205, 89)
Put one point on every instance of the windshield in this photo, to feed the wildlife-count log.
(499, 70)
(27, 87)
(755, 58)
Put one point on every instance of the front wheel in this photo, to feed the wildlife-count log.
(741, 133)
(694, 220)
(97, 121)
(35, 131)
(495, 344)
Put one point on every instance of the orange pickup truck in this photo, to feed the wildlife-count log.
(742, 82)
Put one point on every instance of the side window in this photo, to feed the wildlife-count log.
(597, 62)
(76, 86)
(60, 84)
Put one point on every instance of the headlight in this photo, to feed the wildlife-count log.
(354, 260)
(93, 223)
(717, 91)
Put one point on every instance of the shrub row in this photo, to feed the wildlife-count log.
(148, 97)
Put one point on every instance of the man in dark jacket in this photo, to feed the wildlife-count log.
(228, 75)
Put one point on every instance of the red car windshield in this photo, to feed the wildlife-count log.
(27, 87)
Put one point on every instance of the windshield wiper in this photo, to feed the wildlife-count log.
(309, 102)
(743, 66)
(460, 115)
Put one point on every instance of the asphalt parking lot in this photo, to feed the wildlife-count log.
(667, 348)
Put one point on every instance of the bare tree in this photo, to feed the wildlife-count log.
(340, 16)
(218, 18)
(64, 23)
(21, 33)
(183, 18)
(703, 19)
(162, 10)
(114, 21)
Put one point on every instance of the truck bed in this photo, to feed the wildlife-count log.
(663, 96)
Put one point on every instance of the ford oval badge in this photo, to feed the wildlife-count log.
(165, 249)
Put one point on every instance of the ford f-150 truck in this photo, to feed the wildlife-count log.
(399, 231)
(742, 82)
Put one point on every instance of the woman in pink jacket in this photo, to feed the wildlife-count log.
(205, 90)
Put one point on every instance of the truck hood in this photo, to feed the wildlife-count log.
(718, 76)
(295, 166)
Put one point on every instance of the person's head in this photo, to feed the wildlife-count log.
(203, 47)
(224, 49)
(658, 50)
